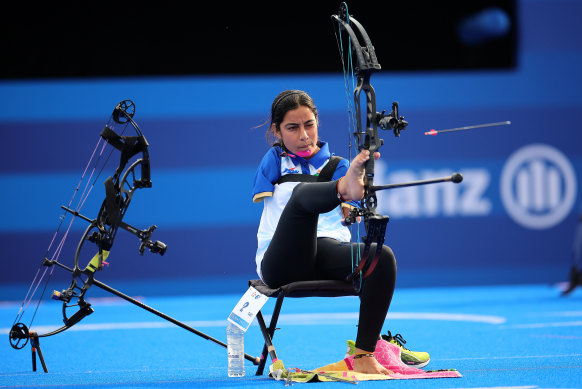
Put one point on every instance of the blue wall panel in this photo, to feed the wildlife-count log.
(512, 219)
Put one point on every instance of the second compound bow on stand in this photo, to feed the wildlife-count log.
(353, 41)
(98, 236)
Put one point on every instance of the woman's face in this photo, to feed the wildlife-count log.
(299, 132)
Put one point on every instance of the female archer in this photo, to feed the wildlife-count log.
(301, 236)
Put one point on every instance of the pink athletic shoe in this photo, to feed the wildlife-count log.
(388, 355)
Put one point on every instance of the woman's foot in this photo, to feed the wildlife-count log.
(351, 186)
(368, 364)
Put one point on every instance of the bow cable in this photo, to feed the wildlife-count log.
(349, 85)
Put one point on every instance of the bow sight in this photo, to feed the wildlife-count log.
(392, 121)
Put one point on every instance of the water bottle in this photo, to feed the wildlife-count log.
(236, 350)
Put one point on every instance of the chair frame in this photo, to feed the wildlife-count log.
(299, 289)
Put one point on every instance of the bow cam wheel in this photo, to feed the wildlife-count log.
(19, 336)
(124, 111)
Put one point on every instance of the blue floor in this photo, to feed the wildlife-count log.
(520, 336)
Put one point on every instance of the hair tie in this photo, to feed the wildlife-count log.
(290, 93)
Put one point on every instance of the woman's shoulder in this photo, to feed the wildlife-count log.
(272, 155)
(270, 165)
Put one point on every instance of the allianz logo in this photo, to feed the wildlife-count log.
(538, 186)
(445, 199)
(537, 189)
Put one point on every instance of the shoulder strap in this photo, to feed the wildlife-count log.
(327, 172)
(325, 175)
(297, 178)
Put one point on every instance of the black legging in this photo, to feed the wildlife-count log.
(296, 254)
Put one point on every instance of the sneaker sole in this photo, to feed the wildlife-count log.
(419, 364)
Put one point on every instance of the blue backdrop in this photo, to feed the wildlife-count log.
(511, 220)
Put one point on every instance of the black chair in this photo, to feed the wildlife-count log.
(322, 288)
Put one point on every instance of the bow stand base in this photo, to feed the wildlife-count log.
(19, 337)
(35, 345)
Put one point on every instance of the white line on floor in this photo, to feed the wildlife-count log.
(329, 318)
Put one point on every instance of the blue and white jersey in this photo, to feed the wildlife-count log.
(275, 196)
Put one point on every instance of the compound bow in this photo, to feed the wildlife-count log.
(119, 191)
(368, 137)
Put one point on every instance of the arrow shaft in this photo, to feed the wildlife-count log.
(476, 126)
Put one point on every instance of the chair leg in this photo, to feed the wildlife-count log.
(268, 333)
(275, 317)
(264, 354)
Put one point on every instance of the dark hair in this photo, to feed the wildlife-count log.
(284, 102)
